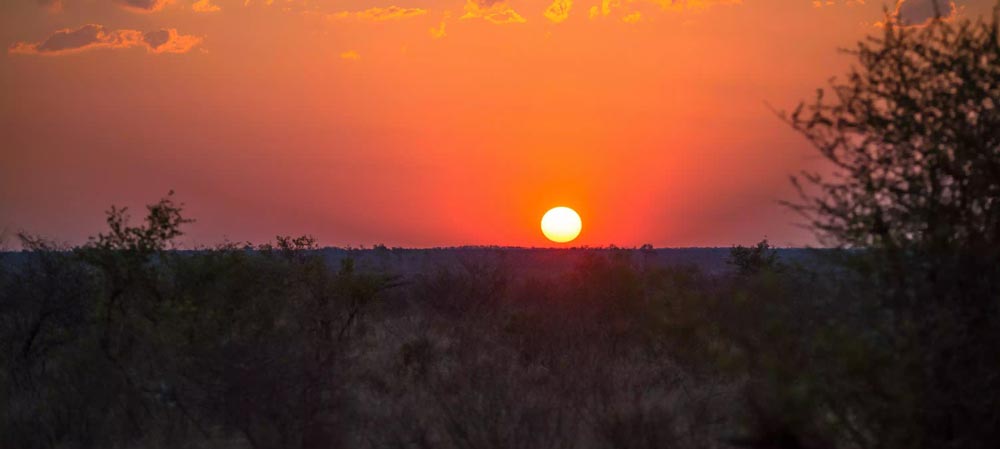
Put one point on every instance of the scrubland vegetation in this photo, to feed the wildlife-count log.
(123, 342)
(889, 339)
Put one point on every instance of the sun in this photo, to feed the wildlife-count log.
(561, 224)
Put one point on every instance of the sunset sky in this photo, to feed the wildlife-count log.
(419, 122)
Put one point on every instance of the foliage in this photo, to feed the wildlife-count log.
(752, 260)
(123, 342)
(913, 136)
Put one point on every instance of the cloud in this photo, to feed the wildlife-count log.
(168, 40)
(906, 13)
(919, 12)
(205, 6)
(607, 7)
(350, 55)
(493, 11)
(379, 14)
(91, 36)
(634, 17)
(84, 38)
(439, 32)
(558, 11)
(142, 5)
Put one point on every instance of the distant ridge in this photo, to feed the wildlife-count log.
(520, 261)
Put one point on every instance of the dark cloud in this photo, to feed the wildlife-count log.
(917, 12)
(83, 38)
(156, 39)
(168, 40)
(72, 39)
(93, 36)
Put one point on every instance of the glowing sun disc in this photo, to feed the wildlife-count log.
(561, 224)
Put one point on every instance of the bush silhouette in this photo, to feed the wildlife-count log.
(912, 134)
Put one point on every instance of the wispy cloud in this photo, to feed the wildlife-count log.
(350, 55)
(91, 37)
(439, 32)
(633, 17)
(493, 11)
(205, 6)
(604, 8)
(558, 11)
(609, 7)
(379, 14)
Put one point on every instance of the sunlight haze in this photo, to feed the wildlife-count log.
(417, 122)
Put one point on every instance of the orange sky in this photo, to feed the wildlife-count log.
(418, 122)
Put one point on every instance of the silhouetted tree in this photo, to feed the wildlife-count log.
(752, 260)
(913, 134)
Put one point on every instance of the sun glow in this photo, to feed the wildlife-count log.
(561, 224)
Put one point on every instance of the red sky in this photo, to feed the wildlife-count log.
(418, 122)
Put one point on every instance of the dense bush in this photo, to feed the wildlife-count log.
(121, 341)
(914, 135)
(126, 342)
